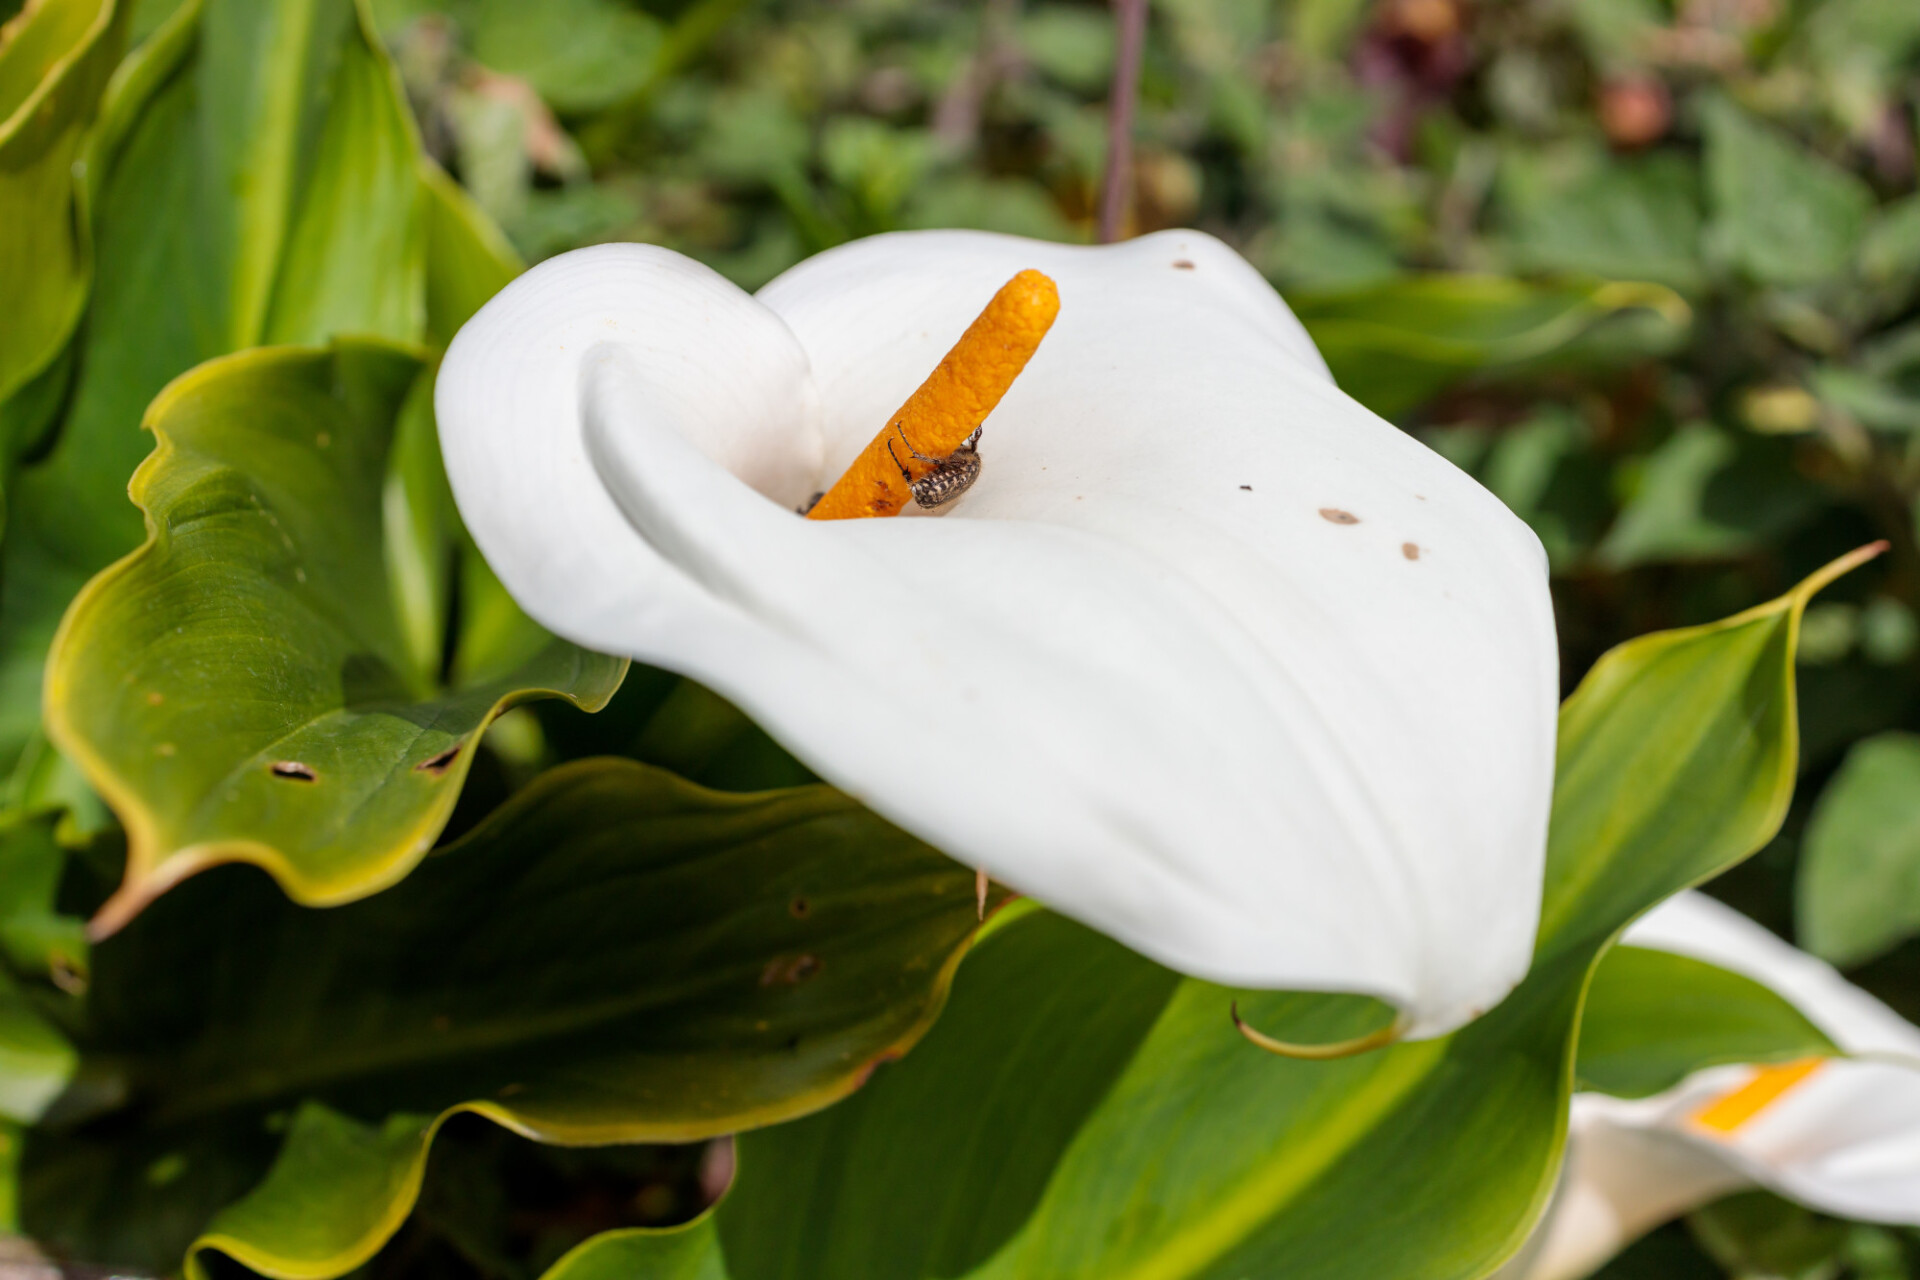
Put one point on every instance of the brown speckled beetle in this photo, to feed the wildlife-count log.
(951, 476)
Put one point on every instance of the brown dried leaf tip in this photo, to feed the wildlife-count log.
(293, 771)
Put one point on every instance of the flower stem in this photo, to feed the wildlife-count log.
(1131, 15)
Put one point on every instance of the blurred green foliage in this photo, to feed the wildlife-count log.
(1710, 206)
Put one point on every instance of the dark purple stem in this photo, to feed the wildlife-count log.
(1132, 18)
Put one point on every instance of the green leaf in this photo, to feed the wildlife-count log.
(1653, 1018)
(55, 58)
(1704, 494)
(1205, 1158)
(241, 688)
(1782, 214)
(35, 936)
(1586, 213)
(1395, 345)
(38, 942)
(579, 55)
(258, 179)
(1758, 1234)
(1859, 889)
(613, 956)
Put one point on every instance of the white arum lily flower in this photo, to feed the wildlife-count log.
(1210, 658)
(1840, 1135)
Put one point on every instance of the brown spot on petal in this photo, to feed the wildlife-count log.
(1182, 264)
(1247, 487)
(1410, 550)
(1334, 515)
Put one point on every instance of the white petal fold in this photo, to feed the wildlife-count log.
(1844, 1140)
(1211, 658)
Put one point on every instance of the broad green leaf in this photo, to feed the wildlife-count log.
(242, 688)
(1394, 345)
(468, 257)
(1205, 1158)
(256, 179)
(580, 55)
(1859, 889)
(613, 956)
(1588, 213)
(1653, 1018)
(1783, 215)
(691, 1253)
(1705, 493)
(55, 58)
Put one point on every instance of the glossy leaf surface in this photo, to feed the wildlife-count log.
(614, 956)
(246, 687)
(1203, 1157)
(55, 58)
(254, 177)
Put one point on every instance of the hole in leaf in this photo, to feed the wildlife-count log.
(437, 765)
(294, 770)
(789, 972)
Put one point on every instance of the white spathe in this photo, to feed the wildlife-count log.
(1137, 672)
(1845, 1140)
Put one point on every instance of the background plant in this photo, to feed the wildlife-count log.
(1651, 271)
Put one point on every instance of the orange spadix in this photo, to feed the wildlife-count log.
(956, 397)
(1731, 1110)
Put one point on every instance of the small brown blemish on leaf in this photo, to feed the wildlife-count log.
(437, 765)
(1334, 515)
(441, 1022)
(294, 770)
(1411, 550)
(789, 972)
(322, 440)
(164, 749)
(1183, 264)
(508, 1090)
(155, 698)
(799, 908)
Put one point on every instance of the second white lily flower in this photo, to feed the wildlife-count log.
(1211, 658)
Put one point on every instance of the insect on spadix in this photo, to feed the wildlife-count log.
(951, 476)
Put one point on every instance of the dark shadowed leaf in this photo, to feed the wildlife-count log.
(614, 956)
